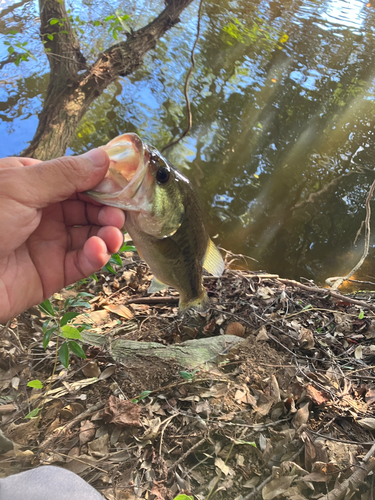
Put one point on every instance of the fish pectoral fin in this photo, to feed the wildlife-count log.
(156, 286)
(213, 261)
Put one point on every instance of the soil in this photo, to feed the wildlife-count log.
(284, 410)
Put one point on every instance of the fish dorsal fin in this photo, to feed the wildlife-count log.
(156, 286)
(213, 261)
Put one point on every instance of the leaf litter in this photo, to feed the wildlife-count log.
(284, 411)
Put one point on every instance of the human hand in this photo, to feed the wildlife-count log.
(49, 235)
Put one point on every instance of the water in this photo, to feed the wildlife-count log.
(282, 144)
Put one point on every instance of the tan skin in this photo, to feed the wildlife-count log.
(41, 248)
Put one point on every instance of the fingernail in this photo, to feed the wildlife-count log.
(98, 156)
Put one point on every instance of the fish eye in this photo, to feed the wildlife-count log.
(162, 175)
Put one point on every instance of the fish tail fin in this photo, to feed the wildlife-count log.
(200, 303)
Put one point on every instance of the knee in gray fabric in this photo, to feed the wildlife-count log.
(47, 483)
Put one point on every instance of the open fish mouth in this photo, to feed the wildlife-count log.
(128, 166)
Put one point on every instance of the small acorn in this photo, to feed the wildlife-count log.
(235, 329)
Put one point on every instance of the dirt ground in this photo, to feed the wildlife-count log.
(283, 409)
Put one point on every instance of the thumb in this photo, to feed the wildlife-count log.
(56, 180)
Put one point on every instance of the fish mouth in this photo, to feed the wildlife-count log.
(129, 159)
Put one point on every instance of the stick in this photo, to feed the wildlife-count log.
(360, 473)
(339, 281)
(336, 295)
(47, 442)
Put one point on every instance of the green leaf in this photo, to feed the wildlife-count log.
(35, 384)
(309, 306)
(183, 497)
(50, 37)
(361, 315)
(69, 332)
(68, 317)
(33, 413)
(13, 32)
(76, 349)
(11, 49)
(6, 42)
(81, 303)
(116, 259)
(85, 294)
(143, 395)
(127, 248)
(108, 18)
(53, 21)
(46, 308)
(109, 268)
(187, 375)
(64, 354)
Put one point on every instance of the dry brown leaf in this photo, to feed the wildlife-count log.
(120, 310)
(367, 423)
(121, 413)
(99, 447)
(318, 397)
(108, 372)
(23, 433)
(87, 432)
(153, 430)
(302, 416)
(277, 487)
(225, 469)
(91, 369)
(262, 334)
(99, 318)
(306, 338)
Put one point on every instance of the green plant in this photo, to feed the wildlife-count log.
(116, 259)
(188, 375)
(12, 43)
(117, 23)
(57, 325)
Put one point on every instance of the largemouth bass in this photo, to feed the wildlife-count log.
(163, 217)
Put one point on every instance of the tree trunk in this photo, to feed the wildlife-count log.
(70, 92)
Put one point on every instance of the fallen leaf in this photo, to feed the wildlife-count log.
(277, 487)
(99, 447)
(225, 469)
(120, 310)
(262, 334)
(318, 397)
(87, 432)
(306, 338)
(367, 423)
(302, 416)
(91, 369)
(121, 413)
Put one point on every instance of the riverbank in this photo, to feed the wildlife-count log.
(279, 401)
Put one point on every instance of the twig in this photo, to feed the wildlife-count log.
(336, 295)
(338, 282)
(186, 87)
(352, 484)
(154, 300)
(187, 453)
(345, 441)
(47, 442)
(165, 423)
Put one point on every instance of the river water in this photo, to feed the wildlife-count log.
(282, 145)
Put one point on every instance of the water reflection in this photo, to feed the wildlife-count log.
(282, 143)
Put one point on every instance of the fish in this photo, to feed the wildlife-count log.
(164, 218)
